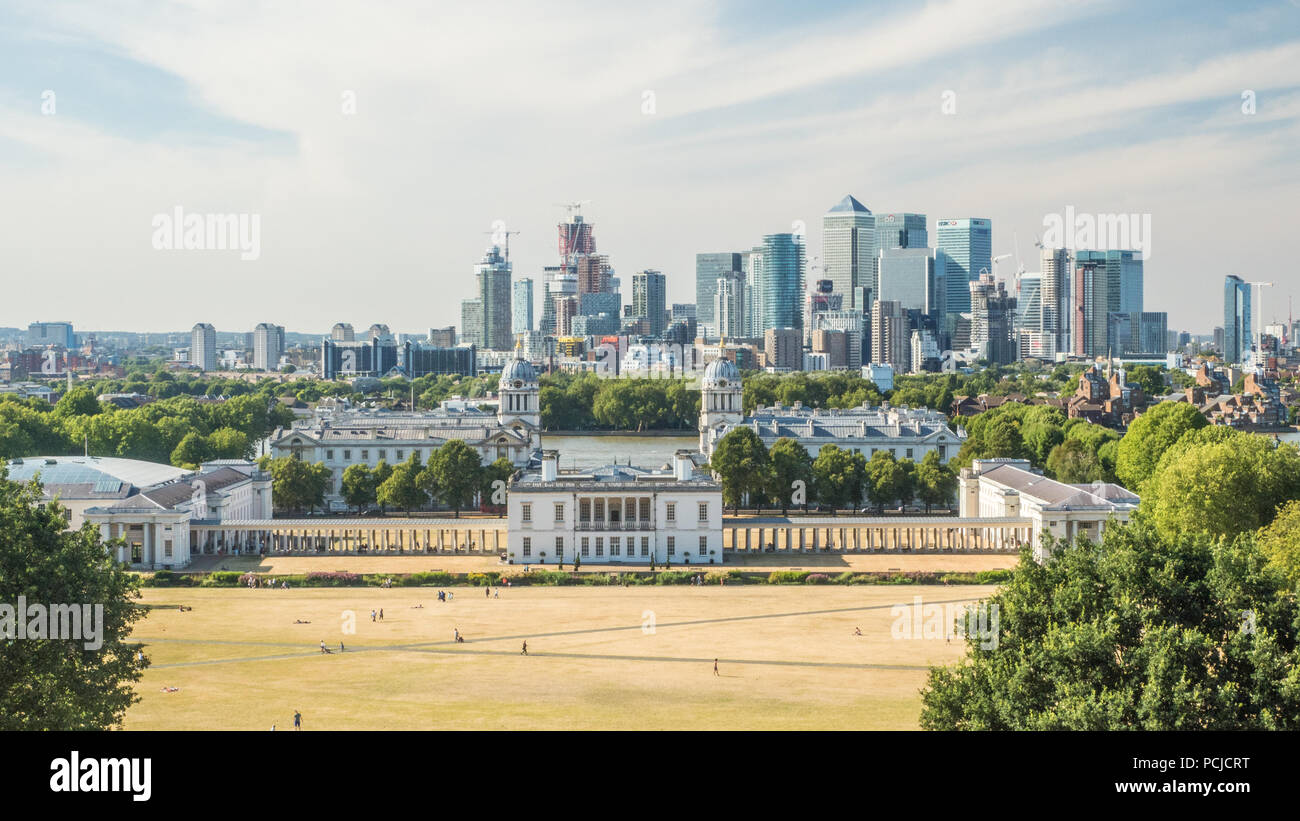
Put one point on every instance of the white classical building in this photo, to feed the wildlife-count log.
(615, 514)
(909, 433)
(1009, 488)
(343, 436)
(151, 507)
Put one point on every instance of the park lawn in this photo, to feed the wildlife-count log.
(599, 658)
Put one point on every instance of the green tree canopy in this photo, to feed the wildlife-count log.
(1149, 436)
(455, 470)
(936, 483)
(790, 463)
(741, 459)
(840, 476)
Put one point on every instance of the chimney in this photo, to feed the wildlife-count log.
(550, 465)
(683, 466)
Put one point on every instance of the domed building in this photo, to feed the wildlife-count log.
(520, 392)
(909, 433)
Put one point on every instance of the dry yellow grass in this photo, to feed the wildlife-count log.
(789, 658)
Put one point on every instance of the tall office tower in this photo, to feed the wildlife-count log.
(821, 299)
(752, 262)
(550, 274)
(907, 277)
(925, 354)
(1146, 332)
(522, 311)
(709, 268)
(992, 313)
(780, 297)
(377, 330)
(849, 249)
(1029, 306)
(963, 248)
(1054, 296)
(443, 337)
(268, 346)
(1123, 278)
(343, 332)
(593, 273)
(563, 297)
(1236, 320)
(901, 231)
(784, 348)
(649, 298)
(40, 334)
(471, 322)
(493, 276)
(891, 338)
(1091, 296)
(683, 310)
(203, 347)
(576, 239)
(730, 301)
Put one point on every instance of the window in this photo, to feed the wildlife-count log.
(383, 455)
(559, 547)
(672, 544)
(585, 546)
(584, 510)
(559, 511)
(614, 545)
(365, 456)
(629, 510)
(329, 454)
(645, 545)
(909, 453)
(704, 511)
(528, 547)
(600, 545)
(704, 545)
(670, 512)
(598, 512)
(526, 512)
(645, 510)
(399, 455)
(347, 455)
(167, 548)
(943, 451)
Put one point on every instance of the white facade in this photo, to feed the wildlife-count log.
(615, 515)
(1008, 488)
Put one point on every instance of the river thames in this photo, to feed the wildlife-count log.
(589, 451)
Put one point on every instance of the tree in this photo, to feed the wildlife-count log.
(77, 402)
(936, 484)
(297, 485)
(839, 476)
(741, 459)
(359, 489)
(402, 488)
(1280, 542)
(1149, 436)
(59, 684)
(790, 463)
(455, 470)
(1071, 462)
(1138, 632)
(888, 479)
(228, 443)
(193, 450)
(1228, 487)
(499, 471)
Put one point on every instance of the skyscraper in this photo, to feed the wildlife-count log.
(901, 231)
(1123, 278)
(1236, 319)
(730, 300)
(649, 299)
(1053, 294)
(992, 311)
(1029, 306)
(268, 346)
(593, 273)
(576, 238)
(780, 283)
(963, 248)
(203, 347)
(709, 268)
(493, 275)
(1091, 319)
(891, 338)
(906, 276)
(522, 311)
(471, 322)
(343, 332)
(849, 250)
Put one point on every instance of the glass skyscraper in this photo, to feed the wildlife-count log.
(907, 277)
(901, 231)
(849, 250)
(963, 248)
(709, 268)
(780, 275)
(1236, 319)
(1123, 278)
(523, 306)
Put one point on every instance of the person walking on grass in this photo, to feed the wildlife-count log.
(297, 720)
(715, 668)
(524, 651)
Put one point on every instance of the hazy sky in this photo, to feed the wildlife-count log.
(763, 114)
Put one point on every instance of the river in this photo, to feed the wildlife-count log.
(590, 451)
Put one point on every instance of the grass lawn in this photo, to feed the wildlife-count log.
(789, 658)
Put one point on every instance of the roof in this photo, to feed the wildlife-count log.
(105, 476)
(849, 205)
(1058, 495)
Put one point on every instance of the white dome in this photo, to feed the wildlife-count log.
(721, 373)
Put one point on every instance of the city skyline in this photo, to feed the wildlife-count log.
(744, 133)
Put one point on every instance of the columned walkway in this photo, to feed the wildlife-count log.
(384, 536)
(893, 533)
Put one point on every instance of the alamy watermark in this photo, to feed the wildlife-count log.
(1098, 232)
(208, 232)
(64, 622)
(948, 620)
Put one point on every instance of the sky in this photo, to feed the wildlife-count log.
(376, 145)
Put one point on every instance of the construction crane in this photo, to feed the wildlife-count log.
(571, 207)
(505, 234)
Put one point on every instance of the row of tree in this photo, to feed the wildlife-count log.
(787, 476)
